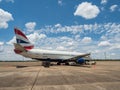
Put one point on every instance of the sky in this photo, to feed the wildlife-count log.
(69, 25)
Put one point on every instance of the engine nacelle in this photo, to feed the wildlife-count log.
(81, 61)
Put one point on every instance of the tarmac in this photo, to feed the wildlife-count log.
(105, 75)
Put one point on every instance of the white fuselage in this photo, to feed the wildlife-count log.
(48, 54)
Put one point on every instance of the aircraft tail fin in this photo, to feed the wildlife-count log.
(22, 40)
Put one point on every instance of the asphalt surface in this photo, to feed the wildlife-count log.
(31, 76)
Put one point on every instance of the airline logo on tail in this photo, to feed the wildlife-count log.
(23, 40)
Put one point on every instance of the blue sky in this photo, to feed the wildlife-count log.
(72, 25)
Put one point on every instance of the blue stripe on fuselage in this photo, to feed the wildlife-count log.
(21, 41)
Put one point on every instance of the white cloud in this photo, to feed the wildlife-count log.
(30, 26)
(5, 17)
(113, 7)
(12, 41)
(12, 1)
(74, 29)
(1, 43)
(104, 43)
(77, 37)
(57, 43)
(103, 1)
(36, 37)
(60, 48)
(1, 46)
(102, 8)
(115, 46)
(58, 25)
(87, 10)
(60, 2)
(8, 54)
(103, 38)
(86, 40)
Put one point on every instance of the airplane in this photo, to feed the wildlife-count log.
(25, 48)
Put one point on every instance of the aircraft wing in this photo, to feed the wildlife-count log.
(80, 56)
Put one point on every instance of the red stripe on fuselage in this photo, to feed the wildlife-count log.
(17, 31)
(28, 47)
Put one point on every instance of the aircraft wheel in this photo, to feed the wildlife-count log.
(58, 63)
(66, 63)
(46, 64)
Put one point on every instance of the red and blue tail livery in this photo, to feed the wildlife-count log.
(22, 39)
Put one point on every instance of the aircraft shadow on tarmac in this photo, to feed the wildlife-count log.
(21, 66)
(24, 66)
(74, 65)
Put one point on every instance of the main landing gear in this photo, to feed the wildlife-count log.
(46, 64)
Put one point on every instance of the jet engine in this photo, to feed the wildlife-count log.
(81, 61)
